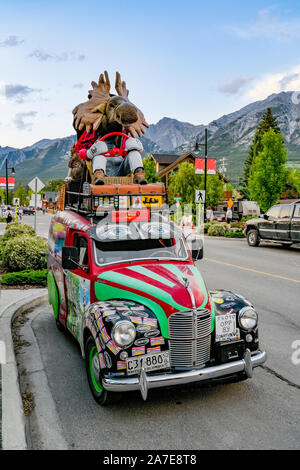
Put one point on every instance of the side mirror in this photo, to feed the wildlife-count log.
(195, 243)
(265, 216)
(197, 254)
(70, 257)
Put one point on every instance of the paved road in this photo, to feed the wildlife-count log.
(42, 224)
(261, 413)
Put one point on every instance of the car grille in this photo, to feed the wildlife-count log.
(189, 338)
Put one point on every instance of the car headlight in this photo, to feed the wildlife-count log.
(248, 318)
(123, 333)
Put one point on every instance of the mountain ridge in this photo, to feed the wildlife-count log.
(229, 136)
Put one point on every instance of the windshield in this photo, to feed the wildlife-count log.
(130, 250)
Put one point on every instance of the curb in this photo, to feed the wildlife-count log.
(13, 418)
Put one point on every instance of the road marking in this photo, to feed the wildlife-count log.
(277, 276)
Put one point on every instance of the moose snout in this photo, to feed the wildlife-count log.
(126, 114)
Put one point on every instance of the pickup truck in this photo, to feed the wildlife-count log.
(281, 223)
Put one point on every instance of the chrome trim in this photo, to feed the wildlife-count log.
(247, 364)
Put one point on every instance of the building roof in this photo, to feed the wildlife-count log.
(164, 157)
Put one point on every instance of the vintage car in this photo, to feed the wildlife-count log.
(125, 284)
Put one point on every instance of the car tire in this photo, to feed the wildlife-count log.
(101, 396)
(253, 238)
(59, 326)
(286, 245)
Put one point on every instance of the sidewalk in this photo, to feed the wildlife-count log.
(8, 297)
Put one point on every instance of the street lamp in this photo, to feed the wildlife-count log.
(197, 145)
(6, 177)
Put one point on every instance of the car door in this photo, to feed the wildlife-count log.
(267, 227)
(295, 232)
(283, 222)
(78, 285)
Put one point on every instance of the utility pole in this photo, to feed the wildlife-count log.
(205, 170)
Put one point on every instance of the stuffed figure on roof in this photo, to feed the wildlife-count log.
(103, 114)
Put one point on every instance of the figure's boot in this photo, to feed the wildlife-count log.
(98, 177)
(139, 176)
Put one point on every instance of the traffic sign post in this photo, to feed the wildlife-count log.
(36, 185)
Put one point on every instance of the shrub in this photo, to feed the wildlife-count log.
(217, 230)
(28, 277)
(236, 224)
(15, 229)
(24, 252)
(234, 235)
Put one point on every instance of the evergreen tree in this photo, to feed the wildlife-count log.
(268, 122)
(268, 175)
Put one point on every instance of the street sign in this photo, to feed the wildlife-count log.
(230, 203)
(16, 201)
(200, 195)
(36, 184)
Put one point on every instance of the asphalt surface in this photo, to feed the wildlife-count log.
(260, 413)
(42, 223)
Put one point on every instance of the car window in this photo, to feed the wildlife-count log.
(274, 212)
(118, 251)
(82, 244)
(286, 211)
(297, 211)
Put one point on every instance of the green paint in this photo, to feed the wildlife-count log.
(157, 277)
(142, 286)
(105, 292)
(213, 314)
(196, 273)
(53, 293)
(98, 387)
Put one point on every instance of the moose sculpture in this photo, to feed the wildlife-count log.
(103, 114)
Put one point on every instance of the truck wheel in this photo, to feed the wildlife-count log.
(253, 238)
(59, 326)
(93, 370)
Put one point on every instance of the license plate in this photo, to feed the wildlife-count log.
(150, 362)
(226, 327)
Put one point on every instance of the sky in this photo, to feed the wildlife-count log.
(191, 60)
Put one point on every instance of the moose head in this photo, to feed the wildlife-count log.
(105, 112)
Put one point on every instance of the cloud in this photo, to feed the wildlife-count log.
(18, 92)
(11, 41)
(19, 120)
(42, 56)
(234, 86)
(275, 83)
(270, 26)
(78, 85)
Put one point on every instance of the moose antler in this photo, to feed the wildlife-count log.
(89, 114)
(137, 126)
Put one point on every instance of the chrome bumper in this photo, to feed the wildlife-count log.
(145, 382)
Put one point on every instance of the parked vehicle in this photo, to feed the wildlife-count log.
(219, 216)
(241, 209)
(30, 210)
(281, 223)
(124, 283)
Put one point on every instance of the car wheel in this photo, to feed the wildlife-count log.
(286, 245)
(59, 326)
(93, 371)
(253, 238)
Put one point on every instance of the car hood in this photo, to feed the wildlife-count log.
(168, 287)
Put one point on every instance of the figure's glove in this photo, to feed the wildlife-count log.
(134, 144)
(96, 149)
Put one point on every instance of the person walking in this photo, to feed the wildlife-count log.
(229, 217)
(8, 215)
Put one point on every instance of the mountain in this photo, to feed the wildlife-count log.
(169, 133)
(229, 136)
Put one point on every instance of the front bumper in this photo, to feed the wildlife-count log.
(145, 382)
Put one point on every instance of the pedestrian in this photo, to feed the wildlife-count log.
(8, 215)
(19, 213)
(229, 217)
